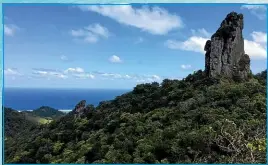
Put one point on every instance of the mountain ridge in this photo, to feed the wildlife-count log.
(192, 111)
(199, 119)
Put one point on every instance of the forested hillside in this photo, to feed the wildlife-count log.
(194, 120)
(48, 112)
(213, 116)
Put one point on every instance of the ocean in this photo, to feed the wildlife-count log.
(62, 99)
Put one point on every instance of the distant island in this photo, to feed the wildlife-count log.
(213, 116)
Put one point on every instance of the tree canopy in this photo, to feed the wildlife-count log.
(194, 120)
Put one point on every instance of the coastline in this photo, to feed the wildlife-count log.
(62, 100)
(62, 110)
(65, 110)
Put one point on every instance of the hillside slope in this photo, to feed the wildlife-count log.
(16, 122)
(48, 112)
(194, 120)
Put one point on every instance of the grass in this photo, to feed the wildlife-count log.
(44, 121)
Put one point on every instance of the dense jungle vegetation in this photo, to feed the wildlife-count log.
(194, 120)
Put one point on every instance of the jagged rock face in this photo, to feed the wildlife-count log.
(80, 107)
(225, 53)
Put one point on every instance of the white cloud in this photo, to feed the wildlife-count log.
(78, 73)
(62, 76)
(201, 33)
(257, 10)
(174, 78)
(128, 77)
(91, 33)
(186, 66)
(12, 72)
(194, 43)
(148, 79)
(48, 73)
(78, 33)
(68, 73)
(84, 76)
(90, 38)
(259, 37)
(141, 81)
(115, 59)
(112, 75)
(98, 30)
(10, 30)
(255, 48)
(63, 58)
(84, 35)
(74, 70)
(154, 20)
(254, 7)
(155, 77)
(135, 78)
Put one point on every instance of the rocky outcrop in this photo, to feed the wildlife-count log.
(225, 54)
(82, 109)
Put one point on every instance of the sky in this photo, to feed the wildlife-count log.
(117, 47)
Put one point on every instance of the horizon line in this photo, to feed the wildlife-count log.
(67, 88)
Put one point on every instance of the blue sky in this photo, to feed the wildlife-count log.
(117, 46)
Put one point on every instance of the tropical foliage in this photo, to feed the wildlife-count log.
(194, 120)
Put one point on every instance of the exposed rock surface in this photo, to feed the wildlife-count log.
(225, 54)
(82, 109)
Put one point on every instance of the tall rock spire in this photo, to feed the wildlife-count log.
(225, 54)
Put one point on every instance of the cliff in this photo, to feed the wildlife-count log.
(225, 54)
